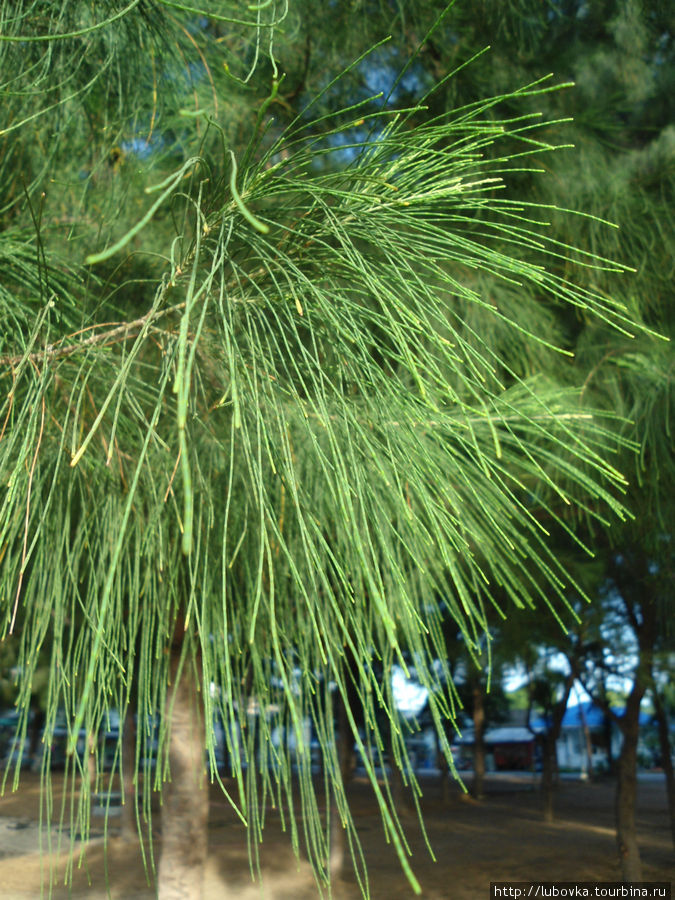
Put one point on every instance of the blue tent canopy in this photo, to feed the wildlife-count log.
(594, 715)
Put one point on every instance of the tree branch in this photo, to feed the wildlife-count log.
(119, 333)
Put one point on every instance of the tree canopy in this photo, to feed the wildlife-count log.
(287, 351)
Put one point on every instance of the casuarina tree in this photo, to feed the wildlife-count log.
(270, 413)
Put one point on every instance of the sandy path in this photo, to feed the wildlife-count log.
(501, 838)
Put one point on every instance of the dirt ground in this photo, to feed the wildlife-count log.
(502, 838)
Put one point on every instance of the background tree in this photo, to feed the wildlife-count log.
(477, 674)
(663, 712)
(620, 55)
(634, 597)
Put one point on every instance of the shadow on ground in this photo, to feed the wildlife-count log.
(502, 838)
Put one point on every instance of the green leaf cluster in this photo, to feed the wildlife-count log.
(296, 409)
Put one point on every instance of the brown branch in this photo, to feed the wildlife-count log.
(295, 93)
(121, 332)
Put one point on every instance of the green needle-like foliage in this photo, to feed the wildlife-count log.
(301, 407)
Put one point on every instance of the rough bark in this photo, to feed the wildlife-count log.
(478, 782)
(666, 758)
(185, 797)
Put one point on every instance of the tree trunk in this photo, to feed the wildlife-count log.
(666, 759)
(91, 747)
(641, 614)
(128, 830)
(185, 798)
(35, 751)
(444, 770)
(478, 783)
(626, 791)
(549, 745)
(607, 727)
(398, 795)
(345, 741)
(587, 742)
(548, 754)
(336, 861)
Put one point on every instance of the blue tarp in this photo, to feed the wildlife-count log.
(593, 715)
